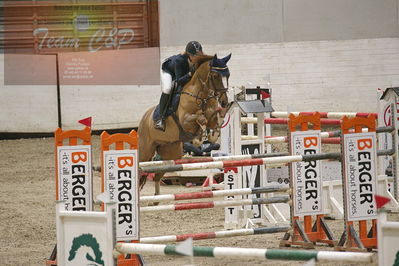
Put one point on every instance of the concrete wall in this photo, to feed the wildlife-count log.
(111, 107)
(28, 108)
(314, 76)
(28, 89)
(220, 21)
(268, 21)
(125, 83)
(309, 20)
(316, 54)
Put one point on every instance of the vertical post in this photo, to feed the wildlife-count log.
(359, 183)
(73, 171)
(306, 185)
(66, 157)
(395, 144)
(120, 179)
(231, 219)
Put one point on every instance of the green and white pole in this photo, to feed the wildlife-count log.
(248, 253)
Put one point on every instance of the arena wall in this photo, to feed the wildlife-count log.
(23, 107)
(271, 21)
(314, 54)
(340, 75)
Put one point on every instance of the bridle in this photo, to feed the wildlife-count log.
(212, 93)
(204, 95)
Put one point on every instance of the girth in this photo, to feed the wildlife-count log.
(183, 135)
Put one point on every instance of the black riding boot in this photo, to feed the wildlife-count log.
(163, 105)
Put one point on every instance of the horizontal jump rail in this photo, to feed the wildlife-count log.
(224, 164)
(248, 253)
(284, 139)
(212, 159)
(212, 194)
(248, 162)
(217, 234)
(215, 204)
(284, 121)
(336, 115)
(331, 141)
(328, 137)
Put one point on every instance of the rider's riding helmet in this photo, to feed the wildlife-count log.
(193, 48)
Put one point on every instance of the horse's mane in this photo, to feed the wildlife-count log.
(200, 59)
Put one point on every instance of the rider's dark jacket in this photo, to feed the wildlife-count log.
(177, 66)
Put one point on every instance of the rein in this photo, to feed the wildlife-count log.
(211, 93)
(201, 103)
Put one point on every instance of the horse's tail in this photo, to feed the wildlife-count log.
(145, 121)
(144, 144)
(145, 135)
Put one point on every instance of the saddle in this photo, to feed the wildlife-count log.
(173, 104)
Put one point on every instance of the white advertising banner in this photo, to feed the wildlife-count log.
(360, 175)
(306, 176)
(121, 183)
(84, 238)
(231, 213)
(75, 177)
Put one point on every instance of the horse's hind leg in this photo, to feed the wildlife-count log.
(147, 151)
(157, 180)
(167, 152)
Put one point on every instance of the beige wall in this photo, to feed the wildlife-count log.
(314, 75)
(269, 21)
(23, 107)
(319, 54)
(102, 85)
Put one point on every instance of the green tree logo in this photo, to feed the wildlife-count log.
(396, 263)
(90, 241)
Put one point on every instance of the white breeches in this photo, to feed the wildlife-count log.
(166, 82)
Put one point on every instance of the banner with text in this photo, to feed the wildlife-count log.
(360, 175)
(75, 177)
(306, 176)
(121, 183)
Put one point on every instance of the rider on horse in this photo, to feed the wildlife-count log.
(176, 71)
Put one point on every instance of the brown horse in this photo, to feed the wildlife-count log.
(202, 105)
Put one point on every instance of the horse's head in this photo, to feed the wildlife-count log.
(219, 72)
(219, 80)
(216, 75)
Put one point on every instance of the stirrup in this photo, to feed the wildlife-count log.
(159, 124)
